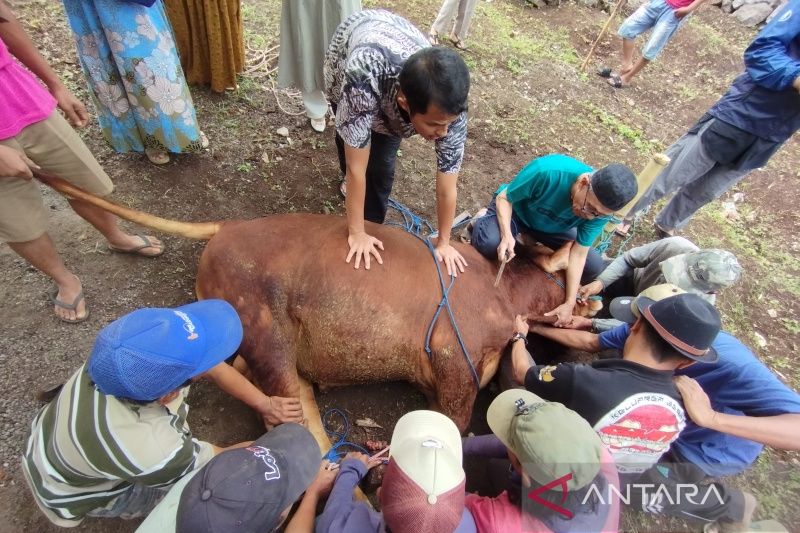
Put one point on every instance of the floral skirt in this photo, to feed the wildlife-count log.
(128, 57)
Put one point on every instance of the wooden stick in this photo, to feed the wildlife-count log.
(383, 451)
(500, 272)
(602, 34)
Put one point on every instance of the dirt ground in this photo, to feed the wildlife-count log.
(528, 99)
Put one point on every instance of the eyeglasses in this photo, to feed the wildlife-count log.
(591, 211)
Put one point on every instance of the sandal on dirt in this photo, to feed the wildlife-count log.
(343, 188)
(137, 250)
(458, 43)
(622, 229)
(433, 38)
(70, 307)
(663, 233)
(157, 156)
(615, 81)
(605, 72)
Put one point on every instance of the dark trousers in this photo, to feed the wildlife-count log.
(380, 173)
(712, 502)
(486, 238)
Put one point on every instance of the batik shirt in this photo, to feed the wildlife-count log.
(362, 67)
(86, 448)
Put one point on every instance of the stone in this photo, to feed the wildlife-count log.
(753, 14)
(737, 4)
(283, 131)
(716, 2)
(589, 3)
(727, 6)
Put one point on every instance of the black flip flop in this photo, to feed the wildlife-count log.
(615, 81)
(605, 72)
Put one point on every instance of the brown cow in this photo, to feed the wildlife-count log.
(309, 317)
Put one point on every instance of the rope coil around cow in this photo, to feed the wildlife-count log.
(414, 224)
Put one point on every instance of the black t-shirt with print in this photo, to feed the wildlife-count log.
(636, 410)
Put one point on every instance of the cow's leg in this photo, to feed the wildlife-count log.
(313, 418)
(455, 389)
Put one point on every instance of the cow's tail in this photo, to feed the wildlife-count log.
(191, 230)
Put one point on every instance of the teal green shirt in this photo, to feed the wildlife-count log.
(540, 197)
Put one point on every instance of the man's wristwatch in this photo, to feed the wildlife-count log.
(517, 336)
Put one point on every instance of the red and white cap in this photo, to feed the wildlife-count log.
(423, 486)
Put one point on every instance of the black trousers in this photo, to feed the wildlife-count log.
(671, 485)
(380, 173)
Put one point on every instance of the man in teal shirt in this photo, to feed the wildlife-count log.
(556, 199)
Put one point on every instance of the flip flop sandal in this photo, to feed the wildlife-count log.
(615, 81)
(137, 250)
(663, 233)
(458, 43)
(156, 156)
(605, 72)
(433, 38)
(69, 307)
(343, 188)
(622, 229)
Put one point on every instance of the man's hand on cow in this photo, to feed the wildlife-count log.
(521, 324)
(696, 401)
(15, 164)
(580, 322)
(278, 410)
(564, 314)
(368, 461)
(363, 246)
(452, 258)
(506, 248)
(590, 289)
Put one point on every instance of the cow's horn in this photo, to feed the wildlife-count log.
(191, 230)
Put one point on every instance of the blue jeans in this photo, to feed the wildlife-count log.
(655, 14)
(486, 238)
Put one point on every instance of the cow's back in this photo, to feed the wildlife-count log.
(286, 274)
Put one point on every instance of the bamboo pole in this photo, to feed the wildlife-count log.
(602, 34)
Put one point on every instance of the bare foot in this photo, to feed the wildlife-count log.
(68, 292)
(131, 242)
(624, 69)
(555, 262)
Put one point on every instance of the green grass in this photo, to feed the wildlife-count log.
(619, 127)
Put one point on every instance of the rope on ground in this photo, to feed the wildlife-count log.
(341, 441)
(414, 224)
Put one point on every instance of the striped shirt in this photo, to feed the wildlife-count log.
(362, 66)
(86, 448)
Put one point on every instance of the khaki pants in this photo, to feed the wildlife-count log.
(53, 145)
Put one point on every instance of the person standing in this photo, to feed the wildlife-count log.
(34, 135)
(740, 133)
(664, 17)
(386, 82)
(462, 11)
(307, 27)
(210, 40)
(128, 56)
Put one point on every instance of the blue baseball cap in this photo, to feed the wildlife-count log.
(151, 352)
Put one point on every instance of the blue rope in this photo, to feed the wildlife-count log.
(334, 455)
(413, 224)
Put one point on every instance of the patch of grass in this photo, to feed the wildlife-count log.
(245, 167)
(753, 239)
(533, 40)
(621, 128)
(514, 66)
(715, 41)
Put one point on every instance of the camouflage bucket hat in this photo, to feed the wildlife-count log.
(702, 272)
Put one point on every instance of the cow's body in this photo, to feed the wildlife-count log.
(309, 317)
